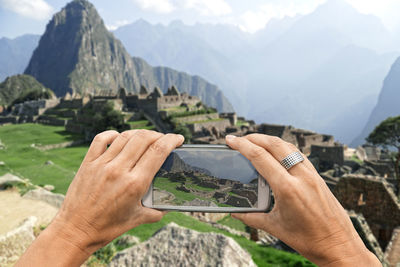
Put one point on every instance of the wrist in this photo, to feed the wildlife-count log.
(350, 252)
(57, 246)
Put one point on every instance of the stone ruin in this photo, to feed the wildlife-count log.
(29, 111)
(374, 198)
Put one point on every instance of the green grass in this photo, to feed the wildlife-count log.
(28, 162)
(356, 159)
(262, 255)
(202, 121)
(233, 223)
(241, 123)
(142, 124)
(180, 196)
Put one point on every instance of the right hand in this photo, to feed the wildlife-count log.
(306, 215)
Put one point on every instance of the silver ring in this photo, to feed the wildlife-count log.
(292, 159)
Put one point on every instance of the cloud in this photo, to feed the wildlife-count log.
(117, 24)
(157, 6)
(209, 7)
(35, 9)
(254, 20)
(204, 7)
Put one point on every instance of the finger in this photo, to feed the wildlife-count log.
(261, 159)
(135, 147)
(117, 145)
(151, 161)
(99, 144)
(256, 220)
(279, 149)
(149, 215)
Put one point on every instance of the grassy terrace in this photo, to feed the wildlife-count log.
(194, 122)
(142, 124)
(26, 161)
(180, 196)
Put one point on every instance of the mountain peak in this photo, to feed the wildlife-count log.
(77, 54)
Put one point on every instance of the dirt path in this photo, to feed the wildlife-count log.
(14, 209)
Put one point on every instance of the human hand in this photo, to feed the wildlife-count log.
(306, 215)
(104, 199)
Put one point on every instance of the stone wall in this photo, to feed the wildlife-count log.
(374, 198)
(328, 155)
(384, 168)
(392, 253)
(219, 125)
(364, 231)
(232, 117)
(73, 103)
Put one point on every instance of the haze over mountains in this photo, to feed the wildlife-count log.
(78, 54)
(308, 71)
(15, 54)
(322, 71)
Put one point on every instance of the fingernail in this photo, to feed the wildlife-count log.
(230, 137)
(181, 137)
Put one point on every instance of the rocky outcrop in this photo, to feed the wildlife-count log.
(9, 180)
(177, 246)
(53, 199)
(15, 242)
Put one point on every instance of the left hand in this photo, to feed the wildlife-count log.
(104, 199)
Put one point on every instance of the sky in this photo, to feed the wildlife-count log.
(18, 17)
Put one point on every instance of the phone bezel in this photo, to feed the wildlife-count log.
(264, 192)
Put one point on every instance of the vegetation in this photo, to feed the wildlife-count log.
(183, 130)
(107, 118)
(233, 223)
(262, 255)
(24, 159)
(193, 112)
(387, 135)
(34, 95)
(141, 124)
(18, 88)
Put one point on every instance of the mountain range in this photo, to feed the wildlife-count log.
(306, 71)
(78, 54)
(388, 104)
(318, 71)
(15, 54)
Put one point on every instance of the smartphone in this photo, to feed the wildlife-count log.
(208, 178)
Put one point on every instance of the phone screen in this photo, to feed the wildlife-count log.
(206, 177)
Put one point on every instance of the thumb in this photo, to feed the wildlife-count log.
(149, 215)
(263, 221)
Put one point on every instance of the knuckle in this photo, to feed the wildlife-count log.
(127, 134)
(275, 141)
(291, 146)
(113, 171)
(142, 133)
(159, 147)
(101, 137)
(256, 152)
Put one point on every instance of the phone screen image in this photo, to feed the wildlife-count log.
(208, 178)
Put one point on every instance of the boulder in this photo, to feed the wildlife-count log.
(15, 242)
(53, 199)
(9, 179)
(49, 187)
(177, 246)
